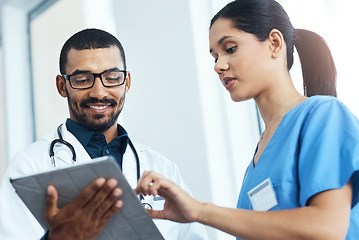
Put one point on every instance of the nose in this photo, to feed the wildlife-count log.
(98, 90)
(221, 65)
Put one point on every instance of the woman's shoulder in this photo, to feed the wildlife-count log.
(327, 111)
(322, 111)
(326, 105)
(318, 100)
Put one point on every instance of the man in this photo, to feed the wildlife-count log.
(94, 80)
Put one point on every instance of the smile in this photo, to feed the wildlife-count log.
(98, 107)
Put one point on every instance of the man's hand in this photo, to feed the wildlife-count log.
(86, 216)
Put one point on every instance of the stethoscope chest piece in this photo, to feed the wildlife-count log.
(146, 201)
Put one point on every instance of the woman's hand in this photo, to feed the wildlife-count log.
(179, 205)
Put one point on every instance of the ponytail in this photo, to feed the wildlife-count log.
(259, 17)
(319, 73)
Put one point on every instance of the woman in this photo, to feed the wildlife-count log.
(303, 180)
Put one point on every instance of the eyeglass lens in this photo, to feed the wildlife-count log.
(86, 80)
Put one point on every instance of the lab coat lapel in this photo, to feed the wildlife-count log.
(81, 154)
(129, 166)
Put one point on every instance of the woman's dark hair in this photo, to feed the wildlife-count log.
(260, 17)
(89, 39)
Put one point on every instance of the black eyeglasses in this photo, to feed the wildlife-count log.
(85, 79)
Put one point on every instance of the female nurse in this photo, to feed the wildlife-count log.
(303, 181)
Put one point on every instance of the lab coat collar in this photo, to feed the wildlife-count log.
(129, 159)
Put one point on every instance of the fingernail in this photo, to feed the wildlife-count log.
(112, 183)
(117, 192)
(100, 182)
(48, 190)
(118, 204)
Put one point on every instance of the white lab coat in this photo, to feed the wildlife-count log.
(17, 222)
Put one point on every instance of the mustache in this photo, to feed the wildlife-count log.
(87, 101)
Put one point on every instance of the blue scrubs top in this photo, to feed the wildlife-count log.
(315, 148)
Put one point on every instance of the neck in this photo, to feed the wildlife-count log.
(111, 133)
(276, 105)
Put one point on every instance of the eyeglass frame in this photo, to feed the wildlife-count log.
(96, 75)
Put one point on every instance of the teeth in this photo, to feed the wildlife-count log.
(98, 107)
(228, 81)
(225, 82)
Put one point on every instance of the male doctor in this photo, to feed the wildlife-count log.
(94, 80)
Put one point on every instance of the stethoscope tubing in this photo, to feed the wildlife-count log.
(69, 145)
(72, 149)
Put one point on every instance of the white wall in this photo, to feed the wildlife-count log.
(18, 107)
(2, 121)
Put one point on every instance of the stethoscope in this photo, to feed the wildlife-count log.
(60, 140)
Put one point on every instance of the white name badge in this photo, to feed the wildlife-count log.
(263, 196)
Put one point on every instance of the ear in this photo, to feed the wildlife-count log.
(276, 40)
(60, 85)
(128, 82)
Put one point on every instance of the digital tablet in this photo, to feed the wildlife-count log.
(130, 223)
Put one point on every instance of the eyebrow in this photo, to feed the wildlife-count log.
(220, 41)
(77, 71)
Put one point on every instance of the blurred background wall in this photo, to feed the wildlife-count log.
(176, 103)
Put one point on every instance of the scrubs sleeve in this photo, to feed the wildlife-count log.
(329, 150)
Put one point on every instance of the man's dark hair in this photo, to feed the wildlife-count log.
(89, 39)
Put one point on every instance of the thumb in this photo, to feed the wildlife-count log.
(156, 213)
(137, 190)
(51, 203)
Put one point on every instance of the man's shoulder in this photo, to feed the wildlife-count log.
(149, 152)
(155, 161)
(32, 156)
(34, 148)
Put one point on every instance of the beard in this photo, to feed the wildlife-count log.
(95, 122)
